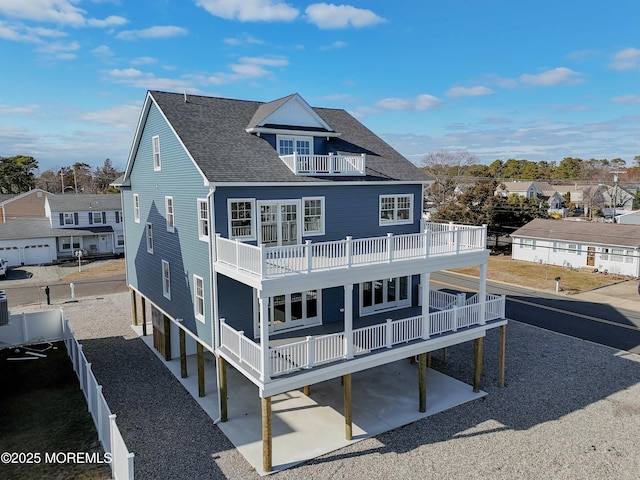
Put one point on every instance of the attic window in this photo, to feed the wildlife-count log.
(157, 165)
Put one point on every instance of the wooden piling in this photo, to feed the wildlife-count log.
(222, 381)
(200, 357)
(348, 416)
(134, 307)
(422, 381)
(267, 453)
(477, 353)
(183, 354)
(503, 351)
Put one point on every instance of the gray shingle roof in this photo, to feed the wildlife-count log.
(22, 228)
(594, 232)
(85, 202)
(213, 131)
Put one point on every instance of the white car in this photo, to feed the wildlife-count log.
(4, 266)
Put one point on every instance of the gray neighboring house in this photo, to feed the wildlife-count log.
(89, 223)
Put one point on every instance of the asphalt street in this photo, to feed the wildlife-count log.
(579, 316)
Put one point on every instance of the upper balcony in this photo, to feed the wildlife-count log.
(332, 164)
(438, 240)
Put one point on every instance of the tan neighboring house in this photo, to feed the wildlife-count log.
(25, 205)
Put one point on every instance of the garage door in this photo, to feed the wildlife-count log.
(11, 254)
(36, 254)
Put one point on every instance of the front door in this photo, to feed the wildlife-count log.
(279, 223)
(591, 256)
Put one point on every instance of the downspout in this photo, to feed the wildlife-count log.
(213, 293)
(213, 284)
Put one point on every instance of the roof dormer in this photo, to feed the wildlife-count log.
(295, 124)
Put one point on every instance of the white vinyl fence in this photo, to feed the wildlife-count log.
(52, 326)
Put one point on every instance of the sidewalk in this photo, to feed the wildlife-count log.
(621, 295)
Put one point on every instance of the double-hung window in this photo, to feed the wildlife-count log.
(95, 218)
(527, 243)
(313, 216)
(157, 165)
(242, 218)
(166, 280)
(136, 208)
(149, 232)
(68, 219)
(198, 297)
(203, 220)
(396, 209)
(169, 214)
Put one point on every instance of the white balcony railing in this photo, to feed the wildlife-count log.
(331, 164)
(315, 351)
(273, 262)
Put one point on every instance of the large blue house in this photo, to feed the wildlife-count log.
(288, 241)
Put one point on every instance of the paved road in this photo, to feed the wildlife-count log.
(578, 316)
(27, 291)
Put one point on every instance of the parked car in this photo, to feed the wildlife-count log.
(4, 266)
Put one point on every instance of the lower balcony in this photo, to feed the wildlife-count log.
(371, 335)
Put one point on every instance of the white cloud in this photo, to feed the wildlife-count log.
(469, 91)
(627, 59)
(120, 116)
(103, 52)
(243, 39)
(59, 50)
(148, 81)
(60, 12)
(250, 10)
(143, 61)
(338, 44)
(627, 99)
(167, 31)
(415, 104)
(248, 68)
(329, 16)
(555, 76)
(19, 110)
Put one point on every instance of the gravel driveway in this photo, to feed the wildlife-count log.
(570, 409)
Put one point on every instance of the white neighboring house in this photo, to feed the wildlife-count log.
(606, 246)
(94, 222)
(629, 218)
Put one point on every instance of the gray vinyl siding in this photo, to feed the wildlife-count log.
(186, 254)
(349, 209)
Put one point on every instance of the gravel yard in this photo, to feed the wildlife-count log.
(570, 409)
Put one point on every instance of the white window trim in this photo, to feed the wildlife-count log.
(72, 216)
(155, 147)
(304, 323)
(94, 216)
(166, 280)
(254, 220)
(395, 220)
(170, 215)
(148, 230)
(312, 233)
(385, 306)
(118, 237)
(199, 315)
(136, 208)
(201, 235)
(528, 243)
(294, 138)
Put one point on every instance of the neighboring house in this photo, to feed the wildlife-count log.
(94, 223)
(540, 190)
(629, 218)
(604, 246)
(288, 241)
(91, 224)
(25, 205)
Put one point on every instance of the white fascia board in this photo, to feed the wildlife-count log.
(282, 131)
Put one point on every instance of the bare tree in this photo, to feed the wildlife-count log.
(446, 167)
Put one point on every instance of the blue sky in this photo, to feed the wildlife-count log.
(499, 78)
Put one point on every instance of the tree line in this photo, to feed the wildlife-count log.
(20, 173)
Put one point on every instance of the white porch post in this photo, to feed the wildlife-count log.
(482, 293)
(426, 321)
(264, 338)
(348, 320)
